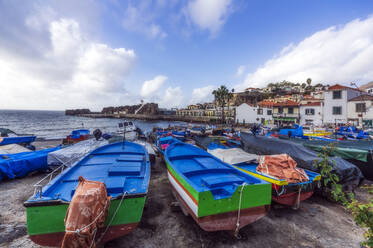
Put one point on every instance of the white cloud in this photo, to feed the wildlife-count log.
(173, 97)
(209, 14)
(150, 87)
(202, 95)
(140, 19)
(335, 55)
(240, 70)
(71, 72)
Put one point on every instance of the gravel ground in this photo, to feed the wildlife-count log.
(317, 223)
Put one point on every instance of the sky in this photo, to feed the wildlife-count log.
(57, 55)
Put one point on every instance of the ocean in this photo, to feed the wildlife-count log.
(57, 125)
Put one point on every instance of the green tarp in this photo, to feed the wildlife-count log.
(346, 149)
(345, 153)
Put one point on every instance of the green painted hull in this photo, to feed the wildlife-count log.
(255, 195)
(50, 219)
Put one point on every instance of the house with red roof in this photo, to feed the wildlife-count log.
(335, 103)
(249, 114)
(286, 112)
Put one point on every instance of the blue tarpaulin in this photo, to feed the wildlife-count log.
(20, 164)
(17, 140)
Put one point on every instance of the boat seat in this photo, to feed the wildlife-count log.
(214, 181)
(188, 156)
(130, 158)
(205, 171)
(127, 169)
(209, 162)
(114, 184)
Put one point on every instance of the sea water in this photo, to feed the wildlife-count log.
(57, 125)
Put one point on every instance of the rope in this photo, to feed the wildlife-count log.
(112, 218)
(297, 203)
(239, 212)
(84, 227)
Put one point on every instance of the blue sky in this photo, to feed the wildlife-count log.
(70, 54)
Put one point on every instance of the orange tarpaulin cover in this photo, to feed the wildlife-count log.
(281, 166)
(86, 213)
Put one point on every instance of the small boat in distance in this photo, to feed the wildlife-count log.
(217, 196)
(124, 167)
(77, 136)
(128, 129)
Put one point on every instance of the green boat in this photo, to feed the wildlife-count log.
(125, 170)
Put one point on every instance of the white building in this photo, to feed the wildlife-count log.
(335, 103)
(311, 113)
(360, 110)
(368, 88)
(246, 114)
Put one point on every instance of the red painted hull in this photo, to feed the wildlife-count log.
(224, 221)
(291, 198)
(55, 239)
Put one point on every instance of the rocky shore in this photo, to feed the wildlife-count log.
(318, 223)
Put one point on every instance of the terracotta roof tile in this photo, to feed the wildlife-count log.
(362, 98)
(311, 104)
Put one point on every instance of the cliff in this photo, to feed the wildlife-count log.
(77, 111)
(147, 109)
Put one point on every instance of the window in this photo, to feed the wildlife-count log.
(260, 111)
(337, 110)
(280, 110)
(269, 112)
(291, 110)
(310, 111)
(360, 107)
(337, 94)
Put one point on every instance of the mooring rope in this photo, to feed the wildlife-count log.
(239, 211)
(112, 218)
(297, 203)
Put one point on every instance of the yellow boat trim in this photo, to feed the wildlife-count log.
(268, 179)
(318, 134)
(317, 178)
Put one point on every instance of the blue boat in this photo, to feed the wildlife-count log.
(163, 142)
(125, 170)
(20, 164)
(216, 195)
(17, 140)
(352, 132)
(78, 135)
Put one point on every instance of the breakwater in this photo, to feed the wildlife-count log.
(201, 119)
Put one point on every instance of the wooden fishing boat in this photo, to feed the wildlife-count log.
(77, 136)
(216, 195)
(283, 192)
(125, 170)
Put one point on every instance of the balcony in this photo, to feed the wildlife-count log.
(285, 115)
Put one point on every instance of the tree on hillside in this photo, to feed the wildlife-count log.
(309, 80)
(222, 97)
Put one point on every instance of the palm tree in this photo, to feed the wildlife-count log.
(309, 80)
(222, 96)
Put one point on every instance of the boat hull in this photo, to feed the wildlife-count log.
(45, 224)
(224, 221)
(55, 239)
(215, 222)
(291, 199)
